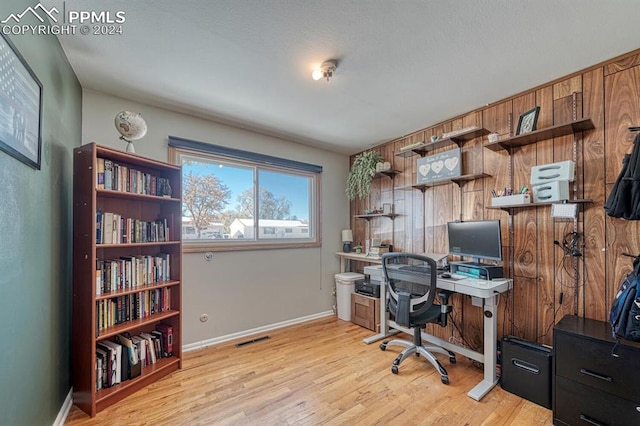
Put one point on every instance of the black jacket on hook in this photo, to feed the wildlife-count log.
(624, 199)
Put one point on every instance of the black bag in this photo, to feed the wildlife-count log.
(624, 199)
(624, 315)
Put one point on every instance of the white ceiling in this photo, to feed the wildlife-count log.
(402, 64)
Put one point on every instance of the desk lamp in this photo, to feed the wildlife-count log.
(347, 239)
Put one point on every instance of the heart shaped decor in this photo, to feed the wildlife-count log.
(451, 163)
(424, 169)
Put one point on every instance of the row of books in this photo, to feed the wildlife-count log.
(122, 178)
(130, 272)
(124, 357)
(112, 228)
(129, 307)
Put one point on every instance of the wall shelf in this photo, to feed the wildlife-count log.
(546, 203)
(542, 134)
(368, 217)
(459, 140)
(387, 173)
(460, 180)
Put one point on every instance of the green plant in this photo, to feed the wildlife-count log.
(361, 174)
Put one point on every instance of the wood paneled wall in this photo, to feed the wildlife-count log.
(609, 94)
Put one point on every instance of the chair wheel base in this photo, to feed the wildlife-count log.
(452, 360)
(383, 346)
(394, 369)
(445, 380)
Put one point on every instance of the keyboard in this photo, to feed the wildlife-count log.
(454, 277)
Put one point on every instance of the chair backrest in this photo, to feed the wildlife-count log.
(410, 273)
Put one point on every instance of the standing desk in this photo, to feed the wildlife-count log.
(485, 294)
(360, 257)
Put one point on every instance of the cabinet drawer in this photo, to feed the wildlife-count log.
(591, 362)
(365, 311)
(576, 404)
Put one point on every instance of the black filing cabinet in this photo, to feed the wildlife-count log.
(596, 378)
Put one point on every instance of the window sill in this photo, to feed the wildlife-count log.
(245, 246)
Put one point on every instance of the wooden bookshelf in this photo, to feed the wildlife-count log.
(150, 207)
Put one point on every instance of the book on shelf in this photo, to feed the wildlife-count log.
(111, 364)
(108, 174)
(135, 368)
(167, 337)
(101, 367)
(129, 272)
(151, 350)
(118, 364)
(112, 228)
(159, 343)
(139, 343)
(118, 177)
(100, 173)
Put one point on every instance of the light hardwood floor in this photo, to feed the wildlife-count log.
(316, 373)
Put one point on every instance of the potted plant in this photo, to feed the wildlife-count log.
(358, 249)
(361, 174)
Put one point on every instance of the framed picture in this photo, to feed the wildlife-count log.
(528, 121)
(20, 107)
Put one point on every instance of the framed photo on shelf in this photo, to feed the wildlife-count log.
(20, 107)
(527, 122)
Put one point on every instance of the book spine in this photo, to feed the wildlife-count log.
(100, 173)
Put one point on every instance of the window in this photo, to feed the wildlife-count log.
(236, 203)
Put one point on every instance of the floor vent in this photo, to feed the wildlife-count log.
(248, 342)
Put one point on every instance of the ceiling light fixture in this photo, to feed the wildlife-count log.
(325, 70)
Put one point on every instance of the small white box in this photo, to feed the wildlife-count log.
(557, 190)
(511, 200)
(563, 170)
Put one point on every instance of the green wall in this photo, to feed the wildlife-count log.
(36, 244)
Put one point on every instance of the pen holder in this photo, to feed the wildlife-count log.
(510, 200)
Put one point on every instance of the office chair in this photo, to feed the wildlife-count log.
(410, 281)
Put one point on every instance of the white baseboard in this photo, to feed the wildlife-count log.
(64, 410)
(233, 336)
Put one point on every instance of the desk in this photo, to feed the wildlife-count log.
(360, 257)
(486, 294)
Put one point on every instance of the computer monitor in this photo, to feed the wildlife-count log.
(478, 239)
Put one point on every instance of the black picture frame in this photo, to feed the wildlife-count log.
(20, 107)
(528, 121)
